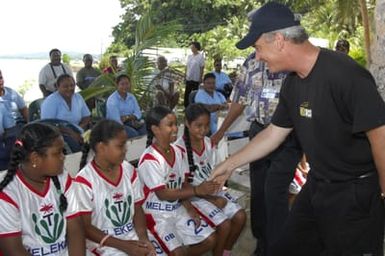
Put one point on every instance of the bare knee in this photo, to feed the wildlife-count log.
(239, 218)
(180, 251)
(223, 228)
(210, 241)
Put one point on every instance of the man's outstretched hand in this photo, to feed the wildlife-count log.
(221, 173)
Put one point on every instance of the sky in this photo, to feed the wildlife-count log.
(85, 26)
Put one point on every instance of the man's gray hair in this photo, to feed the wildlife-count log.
(296, 34)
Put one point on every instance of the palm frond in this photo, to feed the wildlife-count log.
(97, 91)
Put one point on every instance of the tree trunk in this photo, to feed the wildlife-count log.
(365, 23)
(377, 66)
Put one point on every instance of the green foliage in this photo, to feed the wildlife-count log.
(195, 16)
(218, 25)
(25, 87)
(137, 66)
(358, 54)
(66, 58)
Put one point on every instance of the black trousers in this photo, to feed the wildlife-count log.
(270, 178)
(335, 219)
(190, 86)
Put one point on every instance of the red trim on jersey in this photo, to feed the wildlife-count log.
(165, 158)
(68, 183)
(8, 199)
(162, 186)
(299, 179)
(41, 194)
(95, 252)
(104, 177)
(78, 214)
(141, 201)
(82, 180)
(146, 191)
(134, 176)
(196, 152)
(148, 156)
(203, 149)
(151, 226)
(181, 148)
(212, 224)
(17, 233)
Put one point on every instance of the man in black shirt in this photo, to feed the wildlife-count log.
(339, 118)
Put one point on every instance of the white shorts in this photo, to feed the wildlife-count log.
(214, 215)
(175, 231)
(158, 249)
(105, 250)
(297, 183)
(232, 207)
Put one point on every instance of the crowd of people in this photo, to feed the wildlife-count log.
(308, 107)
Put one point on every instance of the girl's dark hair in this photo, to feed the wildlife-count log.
(34, 137)
(208, 75)
(120, 77)
(103, 131)
(62, 77)
(196, 45)
(192, 112)
(153, 117)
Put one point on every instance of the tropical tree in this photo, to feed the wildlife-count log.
(377, 66)
(333, 19)
(195, 16)
(136, 65)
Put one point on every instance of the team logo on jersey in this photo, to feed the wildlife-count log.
(119, 211)
(174, 181)
(51, 224)
(305, 110)
(203, 171)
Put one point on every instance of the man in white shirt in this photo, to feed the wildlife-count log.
(49, 73)
(194, 70)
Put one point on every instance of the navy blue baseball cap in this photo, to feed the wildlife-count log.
(270, 17)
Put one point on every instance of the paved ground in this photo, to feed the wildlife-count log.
(246, 242)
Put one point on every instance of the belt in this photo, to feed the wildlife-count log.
(363, 176)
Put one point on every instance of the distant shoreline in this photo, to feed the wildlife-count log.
(44, 56)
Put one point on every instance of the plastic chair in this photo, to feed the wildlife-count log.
(34, 109)
(191, 97)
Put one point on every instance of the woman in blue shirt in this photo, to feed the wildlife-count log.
(7, 135)
(14, 102)
(123, 107)
(213, 100)
(65, 104)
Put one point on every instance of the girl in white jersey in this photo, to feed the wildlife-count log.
(110, 196)
(221, 209)
(162, 168)
(37, 201)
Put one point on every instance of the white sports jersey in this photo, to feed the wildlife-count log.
(168, 220)
(204, 160)
(157, 173)
(35, 216)
(111, 205)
